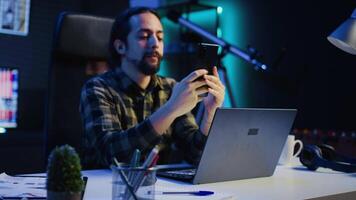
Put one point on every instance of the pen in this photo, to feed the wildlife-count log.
(152, 157)
(135, 160)
(146, 173)
(124, 178)
(134, 163)
(128, 185)
(153, 163)
(116, 162)
(196, 193)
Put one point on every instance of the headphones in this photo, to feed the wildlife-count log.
(314, 156)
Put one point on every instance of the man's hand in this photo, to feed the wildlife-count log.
(216, 90)
(214, 99)
(185, 95)
(184, 98)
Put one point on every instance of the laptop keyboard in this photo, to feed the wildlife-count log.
(182, 174)
(190, 172)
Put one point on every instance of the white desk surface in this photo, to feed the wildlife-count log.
(288, 182)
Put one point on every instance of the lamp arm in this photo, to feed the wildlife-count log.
(228, 48)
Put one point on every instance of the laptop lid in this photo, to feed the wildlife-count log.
(244, 143)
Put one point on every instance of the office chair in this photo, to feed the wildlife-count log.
(80, 48)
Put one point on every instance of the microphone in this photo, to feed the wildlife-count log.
(175, 16)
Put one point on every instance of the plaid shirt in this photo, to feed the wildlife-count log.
(115, 114)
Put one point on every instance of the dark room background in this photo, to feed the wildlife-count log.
(309, 73)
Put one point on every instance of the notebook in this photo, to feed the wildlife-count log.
(242, 143)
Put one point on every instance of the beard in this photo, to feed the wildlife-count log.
(147, 68)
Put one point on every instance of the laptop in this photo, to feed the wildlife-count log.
(242, 143)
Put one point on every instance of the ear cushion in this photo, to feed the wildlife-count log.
(328, 152)
(309, 156)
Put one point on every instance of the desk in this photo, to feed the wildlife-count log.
(288, 182)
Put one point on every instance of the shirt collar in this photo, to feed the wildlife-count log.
(128, 85)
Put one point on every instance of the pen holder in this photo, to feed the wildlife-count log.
(131, 183)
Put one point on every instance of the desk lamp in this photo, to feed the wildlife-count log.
(344, 37)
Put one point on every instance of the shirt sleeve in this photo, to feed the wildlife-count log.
(189, 138)
(104, 136)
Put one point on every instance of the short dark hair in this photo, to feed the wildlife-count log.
(121, 28)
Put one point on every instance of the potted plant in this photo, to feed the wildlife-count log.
(64, 178)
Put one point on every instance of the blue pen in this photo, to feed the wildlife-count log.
(195, 193)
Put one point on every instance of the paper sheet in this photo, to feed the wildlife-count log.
(14, 186)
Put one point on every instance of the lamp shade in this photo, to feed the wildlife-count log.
(344, 37)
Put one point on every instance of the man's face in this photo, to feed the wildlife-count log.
(144, 47)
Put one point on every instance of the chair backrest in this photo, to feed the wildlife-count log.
(80, 48)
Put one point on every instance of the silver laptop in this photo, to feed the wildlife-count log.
(242, 143)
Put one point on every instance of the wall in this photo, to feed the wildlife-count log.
(311, 75)
(21, 149)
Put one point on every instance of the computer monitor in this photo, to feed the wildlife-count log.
(8, 97)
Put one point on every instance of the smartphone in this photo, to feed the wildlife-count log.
(206, 58)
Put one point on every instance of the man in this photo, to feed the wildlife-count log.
(130, 107)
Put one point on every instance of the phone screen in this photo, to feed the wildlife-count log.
(206, 56)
